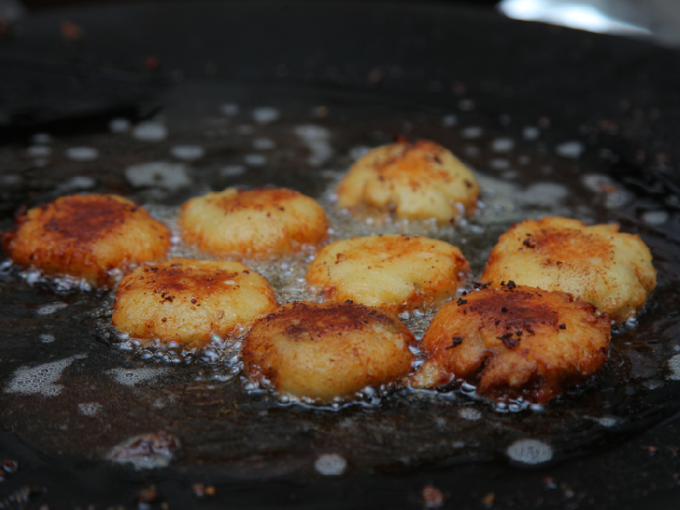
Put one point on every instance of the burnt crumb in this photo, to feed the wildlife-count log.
(518, 332)
(529, 330)
(563, 326)
(455, 342)
(504, 309)
(437, 159)
(193, 301)
(511, 285)
(164, 319)
(509, 341)
(245, 271)
(529, 243)
(461, 301)
(467, 183)
(480, 285)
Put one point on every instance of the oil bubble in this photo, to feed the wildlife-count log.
(330, 464)
(90, 409)
(469, 413)
(530, 451)
(51, 308)
(133, 376)
(40, 379)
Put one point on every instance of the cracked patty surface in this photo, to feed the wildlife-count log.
(515, 341)
(599, 264)
(398, 272)
(417, 181)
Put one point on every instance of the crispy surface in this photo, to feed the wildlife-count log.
(416, 181)
(515, 342)
(324, 351)
(255, 222)
(185, 300)
(598, 264)
(398, 272)
(86, 236)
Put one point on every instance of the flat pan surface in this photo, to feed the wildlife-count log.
(244, 443)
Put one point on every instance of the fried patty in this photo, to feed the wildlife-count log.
(598, 264)
(186, 301)
(515, 341)
(258, 222)
(86, 236)
(397, 272)
(327, 351)
(417, 181)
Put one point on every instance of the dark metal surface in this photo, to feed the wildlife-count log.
(376, 69)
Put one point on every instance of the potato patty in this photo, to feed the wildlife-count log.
(416, 181)
(186, 301)
(255, 222)
(324, 351)
(398, 272)
(514, 342)
(86, 236)
(598, 264)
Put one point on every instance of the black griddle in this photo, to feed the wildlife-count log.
(377, 69)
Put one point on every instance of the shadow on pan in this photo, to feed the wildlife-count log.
(573, 107)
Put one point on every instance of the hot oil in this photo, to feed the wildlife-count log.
(202, 394)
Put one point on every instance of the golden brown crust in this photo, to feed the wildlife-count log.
(86, 236)
(324, 351)
(515, 341)
(416, 181)
(598, 264)
(186, 301)
(398, 272)
(258, 222)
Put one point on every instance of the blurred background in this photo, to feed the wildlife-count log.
(657, 19)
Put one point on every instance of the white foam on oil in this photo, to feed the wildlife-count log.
(229, 109)
(530, 451)
(266, 114)
(263, 144)
(82, 153)
(187, 152)
(255, 159)
(39, 151)
(472, 132)
(317, 140)
(134, 376)
(89, 409)
(51, 308)
(47, 339)
(232, 170)
(41, 379)
(119, 125)
(330, 464)
(159, 174)
(674, 367)
(655, 217)
(469, 413)
(151, 131)
(571, 149)
(502, 145)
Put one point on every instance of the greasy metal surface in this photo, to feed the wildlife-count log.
(241, 441)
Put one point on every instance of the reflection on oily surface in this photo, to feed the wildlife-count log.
(71, 386)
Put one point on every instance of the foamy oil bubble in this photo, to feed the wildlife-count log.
(133, 376)
(90, 409)
(42, 379)
(330, 464)
(50, 308)
(530, 451)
